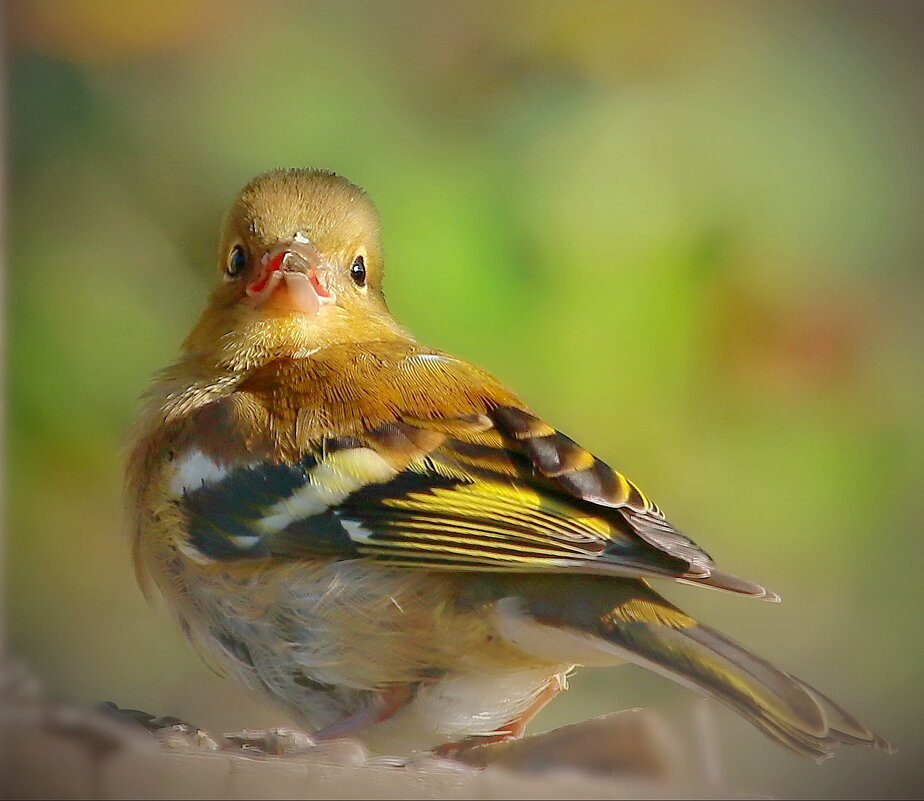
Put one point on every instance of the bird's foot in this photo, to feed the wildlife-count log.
(633, 742)
(453, 750)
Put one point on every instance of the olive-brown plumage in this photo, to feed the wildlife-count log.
(383, 538)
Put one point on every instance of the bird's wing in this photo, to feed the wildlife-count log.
(491, 489)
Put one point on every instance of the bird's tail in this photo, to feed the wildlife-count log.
(782, 706)
(643, 628)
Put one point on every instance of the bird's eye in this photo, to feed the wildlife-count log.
(358, 271)
(237, 261)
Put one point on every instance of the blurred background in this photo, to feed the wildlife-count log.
(690, 234)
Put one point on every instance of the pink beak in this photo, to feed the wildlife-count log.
(290, 280)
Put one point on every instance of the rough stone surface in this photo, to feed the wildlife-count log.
(54, 750)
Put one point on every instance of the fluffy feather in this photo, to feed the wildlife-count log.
(384, 538)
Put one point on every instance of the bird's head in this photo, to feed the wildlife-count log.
(300, 268)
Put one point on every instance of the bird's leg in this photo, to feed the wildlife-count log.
(515, 728)
(289, 742)
(512, 730)
(383, 706)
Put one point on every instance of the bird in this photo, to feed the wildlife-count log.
(382, 538)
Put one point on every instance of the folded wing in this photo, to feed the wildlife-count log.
(494, 490)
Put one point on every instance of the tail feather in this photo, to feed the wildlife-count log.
(627, 620)
(783, 707)
(848, 729)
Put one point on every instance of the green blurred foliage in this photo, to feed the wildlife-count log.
(688, 233)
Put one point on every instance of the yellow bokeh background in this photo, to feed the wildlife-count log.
(690, 234)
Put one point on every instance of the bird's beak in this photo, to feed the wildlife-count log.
(291, 279)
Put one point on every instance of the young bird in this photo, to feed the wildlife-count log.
(381, 537)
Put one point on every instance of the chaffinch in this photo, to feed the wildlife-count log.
(381, 537)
